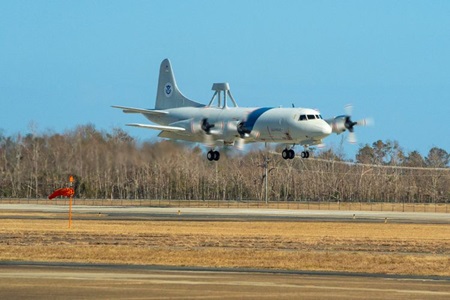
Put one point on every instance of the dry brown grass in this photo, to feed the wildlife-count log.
(354, 247)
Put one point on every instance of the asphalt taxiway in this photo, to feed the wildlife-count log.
(77, 281)
(247, 214)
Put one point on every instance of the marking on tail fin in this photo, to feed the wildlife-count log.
(168, 89)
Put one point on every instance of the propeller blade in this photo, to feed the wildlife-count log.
(320, 146)
(351, 138)
(348, 109)
(239, 144)
(254, 134)
(215, 131)
(195, 126)
(365, 122)
(231, 126)
(208, 140)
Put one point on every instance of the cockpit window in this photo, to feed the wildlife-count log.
(309, 117)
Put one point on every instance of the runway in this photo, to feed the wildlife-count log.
(75, 281)
(261, 214)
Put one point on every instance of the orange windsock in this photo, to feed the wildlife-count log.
(65, 192)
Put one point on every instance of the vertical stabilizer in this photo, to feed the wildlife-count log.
(168, 95)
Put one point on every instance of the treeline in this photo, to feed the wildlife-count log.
(113, 165)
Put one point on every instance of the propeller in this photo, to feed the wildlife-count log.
(206, 129)
(206, 126)
(243, 132)
(232, 128)
(349, 124)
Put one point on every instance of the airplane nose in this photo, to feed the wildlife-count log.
(322, 129)
(326, 128)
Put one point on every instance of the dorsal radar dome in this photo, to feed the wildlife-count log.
(222, 88)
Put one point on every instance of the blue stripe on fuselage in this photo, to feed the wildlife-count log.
(253, 117)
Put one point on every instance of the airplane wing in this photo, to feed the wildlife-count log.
(181, 136)
(158, 127)
(133, 110)
(311, 142)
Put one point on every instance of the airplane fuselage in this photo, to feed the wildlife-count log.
(263, 124)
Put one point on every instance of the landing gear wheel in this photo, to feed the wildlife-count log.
(291, 154)
(216, 155)
(288, 154)
(210, 155)
(305, 154)
(213, 155)
(285, 154)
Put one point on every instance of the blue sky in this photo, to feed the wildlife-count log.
(64, 63)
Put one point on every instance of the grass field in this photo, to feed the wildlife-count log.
(422, 249)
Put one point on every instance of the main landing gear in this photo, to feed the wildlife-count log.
(213, 155)
(290, 154)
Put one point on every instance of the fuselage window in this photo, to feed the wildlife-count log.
(311, 117)
(302, 118)
(318, 117)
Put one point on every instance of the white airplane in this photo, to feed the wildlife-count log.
(218, 124)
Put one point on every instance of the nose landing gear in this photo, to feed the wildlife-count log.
(304, 154)
(213, 155)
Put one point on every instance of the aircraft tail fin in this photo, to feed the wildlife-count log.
(168, 95)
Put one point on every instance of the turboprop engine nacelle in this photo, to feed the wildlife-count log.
(193, 126)
(338, 124)
(203, 126)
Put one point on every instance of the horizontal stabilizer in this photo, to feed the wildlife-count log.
(132, 110)
(158, 127)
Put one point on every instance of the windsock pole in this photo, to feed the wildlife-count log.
(70, 211)
(70, 201)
